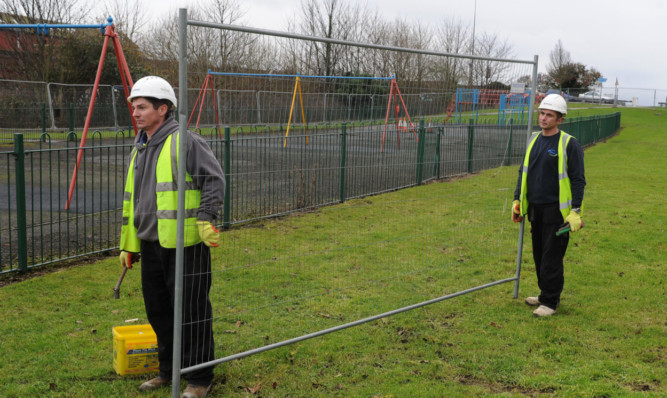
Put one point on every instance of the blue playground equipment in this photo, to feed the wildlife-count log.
(513, 107)
(466, 96)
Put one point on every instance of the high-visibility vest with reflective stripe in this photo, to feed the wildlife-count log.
(128, 232)
(564, 187)
(166, 174)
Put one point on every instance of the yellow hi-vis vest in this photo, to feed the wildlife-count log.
(564, 187)
(166, 174)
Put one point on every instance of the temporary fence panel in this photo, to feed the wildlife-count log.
(301, 277)
(63, 97)
(21, 109)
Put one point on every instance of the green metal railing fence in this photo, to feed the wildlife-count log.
(266, 174)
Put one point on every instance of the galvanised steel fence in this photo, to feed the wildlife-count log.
(339, 162)
(362, 265)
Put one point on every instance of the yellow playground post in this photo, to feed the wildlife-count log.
(297, 86)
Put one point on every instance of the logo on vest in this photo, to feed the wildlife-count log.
(552, 152)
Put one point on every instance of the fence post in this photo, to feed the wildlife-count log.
(599, 129)
(43, 117)
(471, 136)
(20, 203)
(420, 151)
(343, 160)
(71, 116)
(509, 144)
(437, 152)
(228, 176)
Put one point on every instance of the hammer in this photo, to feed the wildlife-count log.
(116, 290)
(131, 259)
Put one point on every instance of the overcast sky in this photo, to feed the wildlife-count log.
(621, 39)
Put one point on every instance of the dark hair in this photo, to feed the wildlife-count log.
(159, 102)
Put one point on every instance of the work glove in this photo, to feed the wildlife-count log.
(516, 211)
(127, 259)
(208, 234)
(574, 219)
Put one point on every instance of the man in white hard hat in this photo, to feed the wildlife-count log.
(550, 191)
(149, 228)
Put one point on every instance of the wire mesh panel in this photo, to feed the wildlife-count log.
(70, 103)
(279, 279)
(270, 99)
(22, 107)
(336, 139)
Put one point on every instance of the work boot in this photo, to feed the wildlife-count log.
(543, 310)
(533, 301)
(155, 383)
(195, 391)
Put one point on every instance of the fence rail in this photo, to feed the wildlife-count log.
(265, 179)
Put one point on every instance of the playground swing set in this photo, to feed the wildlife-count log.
(208, 83)
(402, 123)
(108, 30)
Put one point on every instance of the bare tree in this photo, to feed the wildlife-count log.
(376, 31)
(559, 69)
(485, 71)
(407, 66)
(208, 48)
(35, 56)
(129, 16)
(451, 37)
(329, 19)
(234, 50)
(558, 57)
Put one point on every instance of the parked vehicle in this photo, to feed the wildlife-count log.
(561, 93)
(594, 96)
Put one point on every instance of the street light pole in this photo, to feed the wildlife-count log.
(472, 49)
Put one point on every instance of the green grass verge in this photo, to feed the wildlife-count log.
(608, 339)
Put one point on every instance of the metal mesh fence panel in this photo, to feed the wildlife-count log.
(281, 281)
(21, 108)
(75, 98)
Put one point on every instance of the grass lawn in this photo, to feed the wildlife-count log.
(609, 338)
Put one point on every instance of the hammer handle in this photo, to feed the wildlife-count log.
(116, 290)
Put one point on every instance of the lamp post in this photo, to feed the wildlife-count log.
(472, 47)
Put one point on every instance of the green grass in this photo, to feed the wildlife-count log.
(608, 339)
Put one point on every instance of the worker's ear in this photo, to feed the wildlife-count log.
(163, 109)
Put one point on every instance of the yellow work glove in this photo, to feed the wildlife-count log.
(574, 219)
(516, 211)
(127, 259)
(208, 234)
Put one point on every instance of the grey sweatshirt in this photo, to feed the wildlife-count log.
(201, 164)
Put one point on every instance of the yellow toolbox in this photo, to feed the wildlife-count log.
(134, 349)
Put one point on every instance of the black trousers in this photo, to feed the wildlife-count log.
(157, 280)
(548, 252)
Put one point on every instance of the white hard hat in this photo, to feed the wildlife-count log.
(154, 87)
(554, 102)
